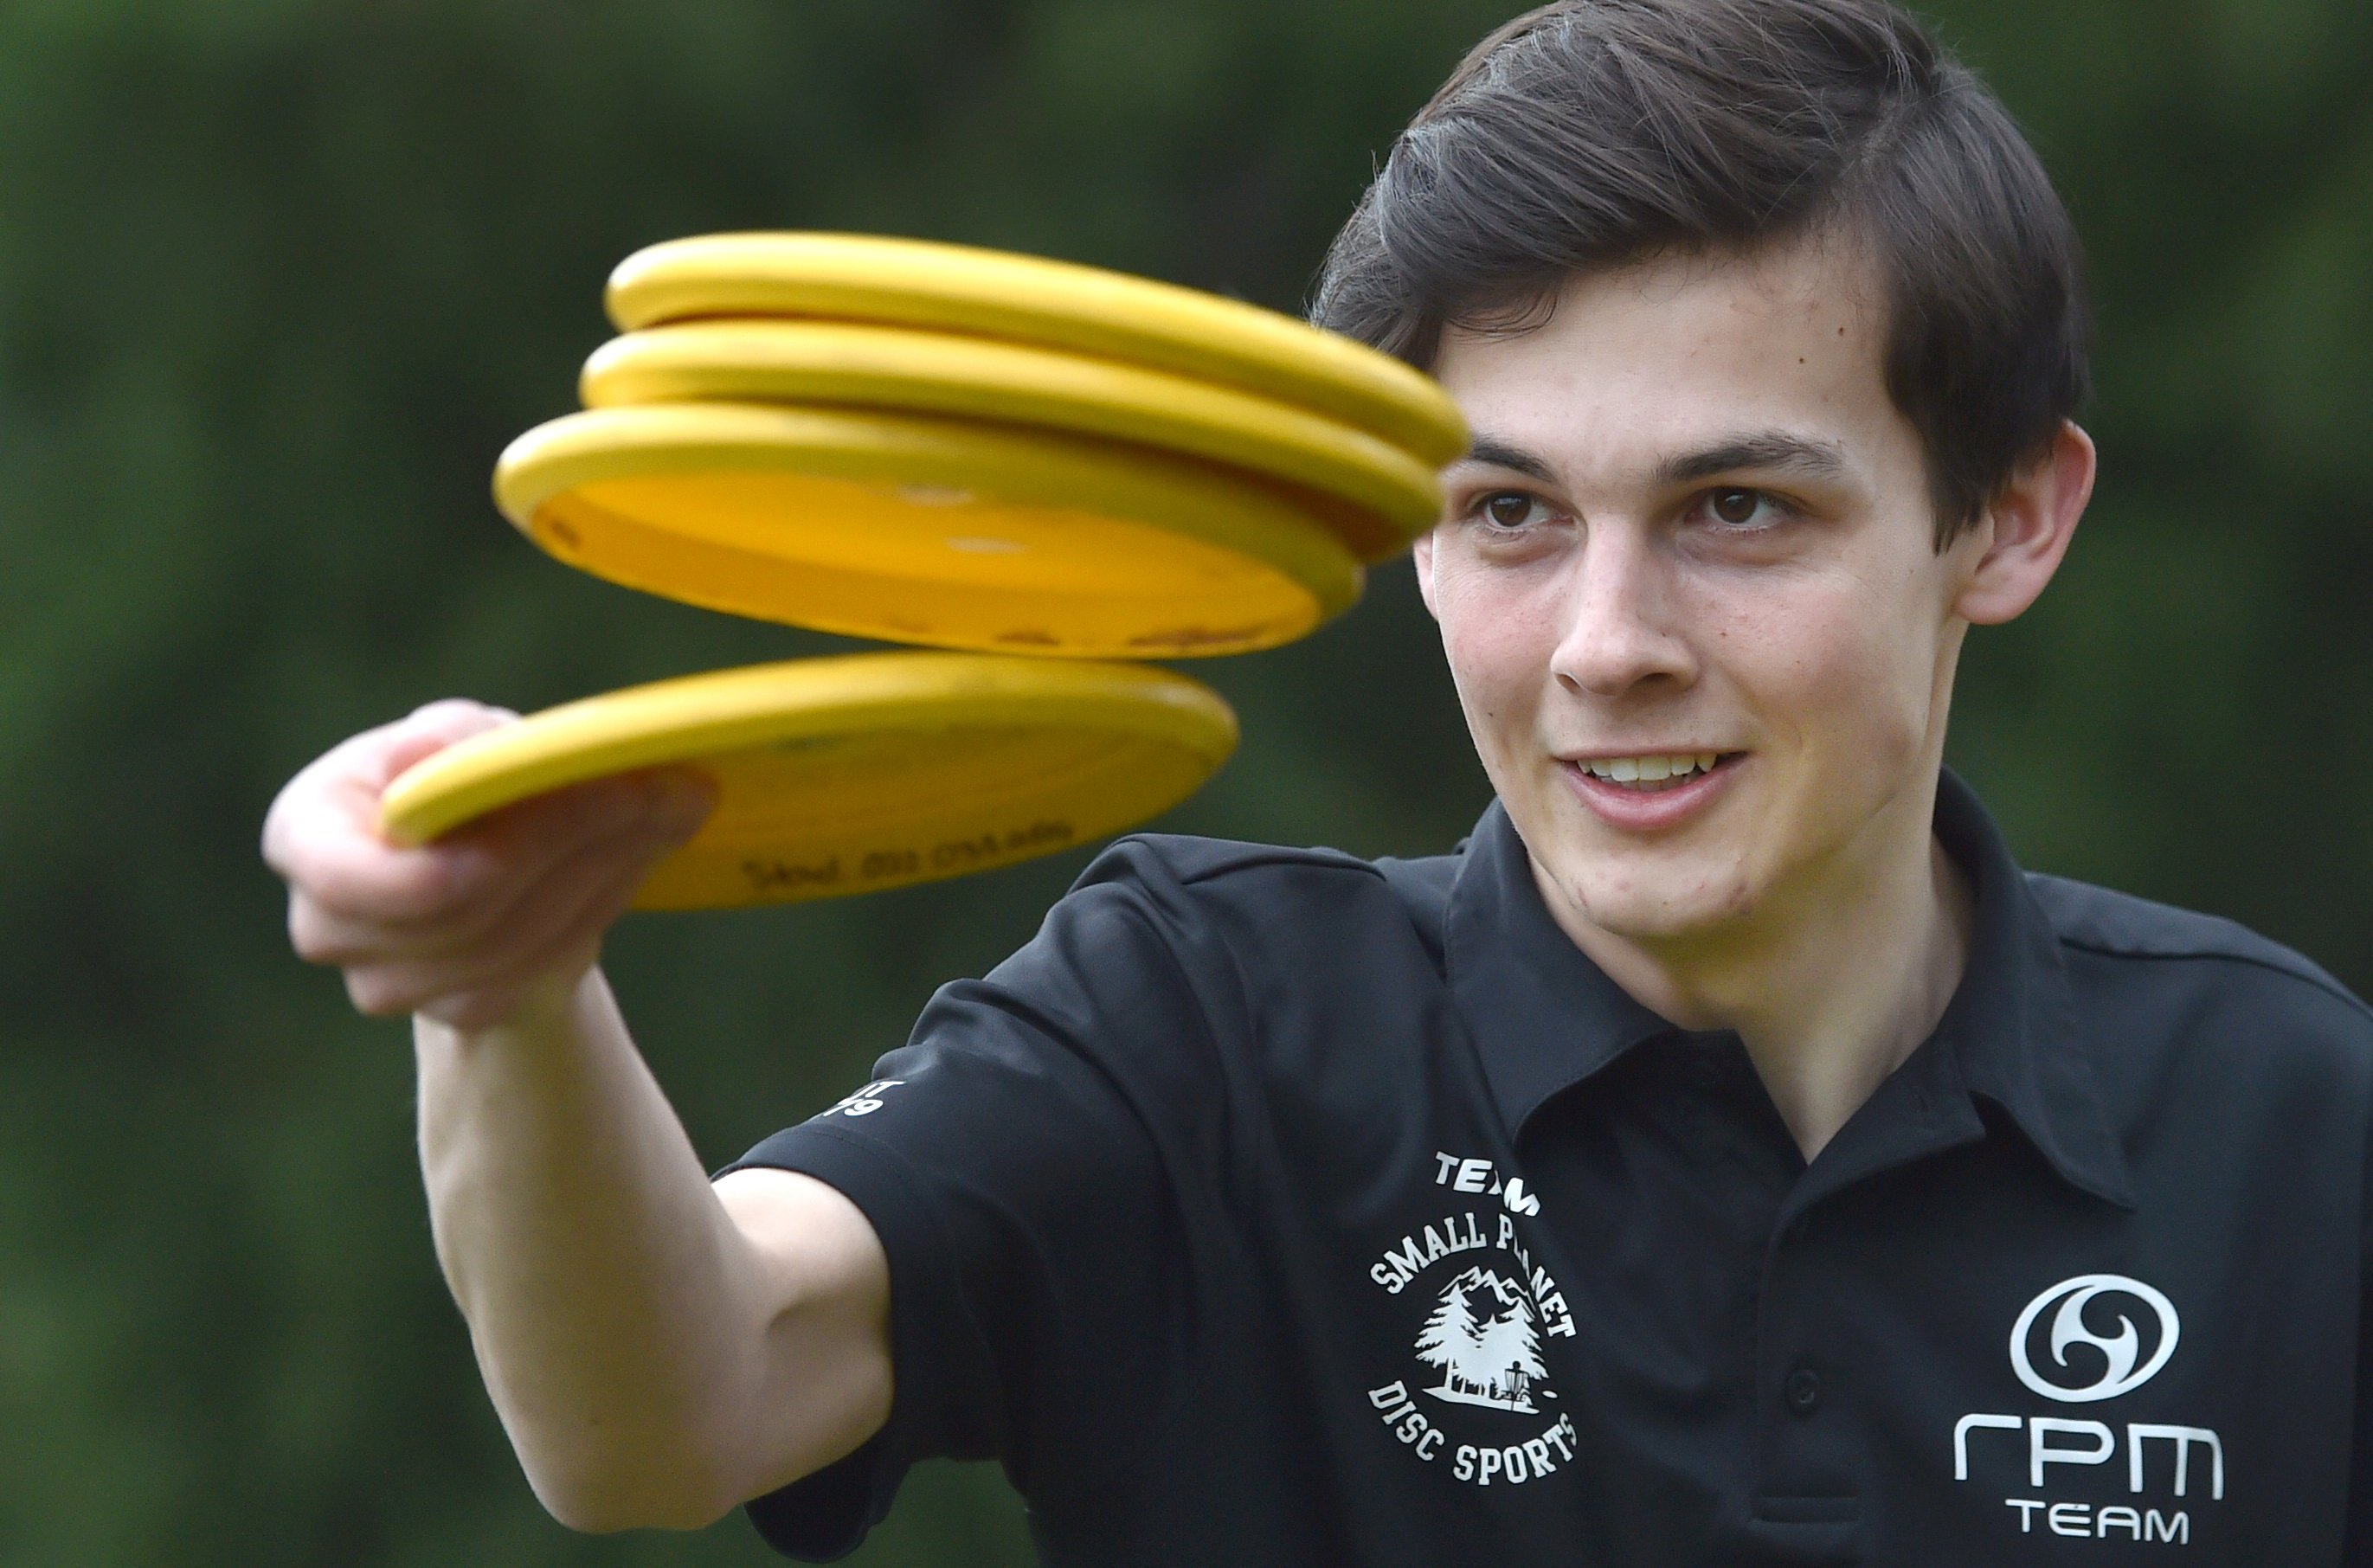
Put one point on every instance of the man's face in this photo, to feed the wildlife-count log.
(1695, 530)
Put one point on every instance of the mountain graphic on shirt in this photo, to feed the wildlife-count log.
(1481, 1337)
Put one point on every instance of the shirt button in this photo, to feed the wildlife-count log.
(1803, 1390)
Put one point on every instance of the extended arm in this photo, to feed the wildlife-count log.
(659, 1349)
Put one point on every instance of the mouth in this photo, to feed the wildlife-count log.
(1653, 774)
(1650, 792)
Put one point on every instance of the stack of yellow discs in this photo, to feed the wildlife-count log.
(961, 448)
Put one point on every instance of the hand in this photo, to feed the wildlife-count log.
(467, 930)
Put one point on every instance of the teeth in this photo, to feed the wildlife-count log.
(1653, 769)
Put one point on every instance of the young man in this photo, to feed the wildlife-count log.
(1728, 1155)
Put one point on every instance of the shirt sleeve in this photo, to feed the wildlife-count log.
(1032, 1161)
(2359, 1550)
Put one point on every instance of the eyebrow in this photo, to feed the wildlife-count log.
(1517, 459)
(1767, 451)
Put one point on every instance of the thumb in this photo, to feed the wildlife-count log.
(432, 728)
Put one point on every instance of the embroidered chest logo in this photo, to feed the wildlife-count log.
(1478, 1386)
(2089, 1339)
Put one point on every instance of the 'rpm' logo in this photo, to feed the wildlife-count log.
(2122, 1366)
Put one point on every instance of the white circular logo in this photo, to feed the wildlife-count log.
(2122, 1367)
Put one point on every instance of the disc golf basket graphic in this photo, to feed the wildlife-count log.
(1488, 1357)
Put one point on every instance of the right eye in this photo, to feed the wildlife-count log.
(1508, 509)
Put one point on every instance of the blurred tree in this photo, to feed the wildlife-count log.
(277, 279)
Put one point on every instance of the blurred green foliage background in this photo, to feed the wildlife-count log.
(279, 277)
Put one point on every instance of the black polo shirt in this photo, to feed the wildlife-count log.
(1276, 1206)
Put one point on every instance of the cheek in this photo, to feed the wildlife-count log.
(1495, 642)
(1845, 674)
(1498, 647)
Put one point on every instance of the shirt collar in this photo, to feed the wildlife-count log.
(1545, 1018)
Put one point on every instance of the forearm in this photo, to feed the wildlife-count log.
(659, 1350)
(619, 1315)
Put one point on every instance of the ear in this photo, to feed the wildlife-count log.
(2023, 534)
(1421, 557)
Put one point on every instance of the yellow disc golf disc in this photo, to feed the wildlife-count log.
(1052, 304)
(950, 533)
(928, 372)
(848, 775)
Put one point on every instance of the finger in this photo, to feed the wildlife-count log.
(448, 893)
(567, 953)
(336, 798)
(594, 887)
(571, 951)
(418, 958)
(523, 842)
(621, 862)
(414, 957)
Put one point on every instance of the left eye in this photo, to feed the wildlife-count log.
(1739, 508)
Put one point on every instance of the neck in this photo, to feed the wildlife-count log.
(1831, 984)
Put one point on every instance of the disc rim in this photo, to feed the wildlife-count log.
(683, 720)
(1040, 301)
(1199, 501)
(947, 375)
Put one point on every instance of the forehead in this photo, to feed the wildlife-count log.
(1633, 367)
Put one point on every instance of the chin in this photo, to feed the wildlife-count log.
(1653, 904)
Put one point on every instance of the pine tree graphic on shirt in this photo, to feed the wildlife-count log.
(1487, 1358)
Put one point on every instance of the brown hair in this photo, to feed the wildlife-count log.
(1591, 134)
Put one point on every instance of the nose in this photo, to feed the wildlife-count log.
(1620, 633)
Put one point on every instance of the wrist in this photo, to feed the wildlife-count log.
(548, 1008)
